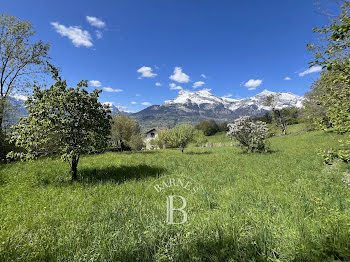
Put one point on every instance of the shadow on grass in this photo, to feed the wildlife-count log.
(142, 152)
(198, 153)
(269, 152)
(118, 174)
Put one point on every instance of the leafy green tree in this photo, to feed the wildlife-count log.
(178, 137)
(199, 138)
(223, 127)
(136, 142)
(332, 53)
(209, 128)
(267, 118)
(292, 115)
(314, 111)
(20, 59)
(126, 131)
(65, 121)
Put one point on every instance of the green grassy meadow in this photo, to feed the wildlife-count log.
(282, 206)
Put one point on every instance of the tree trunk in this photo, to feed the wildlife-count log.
(281, 120)
(1, 120)
(74, 168)
(2, 111)
(283, 125)
(182, 149)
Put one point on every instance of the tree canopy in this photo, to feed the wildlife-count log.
(62, 120)
(127, 131)
(20, 58)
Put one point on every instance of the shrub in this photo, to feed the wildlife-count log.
(251, 135)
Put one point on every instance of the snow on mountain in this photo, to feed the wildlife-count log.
(116, 109)
(192, 107)
(205, 97)
(199, 97)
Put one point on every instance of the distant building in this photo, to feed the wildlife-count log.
(151, 134)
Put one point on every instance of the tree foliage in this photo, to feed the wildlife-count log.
(126, 131)
(20, 59)
(333, 54)
(314, 111)
(210, 127)
(177, 137)
(66, 121)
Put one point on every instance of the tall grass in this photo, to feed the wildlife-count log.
(282, 206)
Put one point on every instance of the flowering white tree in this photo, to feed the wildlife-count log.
(251, 135)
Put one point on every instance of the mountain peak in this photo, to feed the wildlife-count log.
(266, 93)
(194, 97)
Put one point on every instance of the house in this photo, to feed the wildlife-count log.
(151, 134)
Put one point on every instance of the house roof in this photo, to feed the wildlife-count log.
(155, 129)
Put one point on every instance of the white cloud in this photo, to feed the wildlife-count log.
(133, 102)
(205, 90)
(78, 36)
(146, 71)
(138, 95)
(99, 34)
(198, 84)
(311, 70)
(252, 84)
(110, 90)
(96, 22)
(287, 78)
(146, 103)
(179, 76)
(95, 83)
(158, 84)
(227, 96)
(173, 86)
(203, 75)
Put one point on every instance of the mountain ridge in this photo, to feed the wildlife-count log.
(194, 106)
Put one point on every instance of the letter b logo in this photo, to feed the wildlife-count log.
(171, 209)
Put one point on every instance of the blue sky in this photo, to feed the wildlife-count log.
(236, 48)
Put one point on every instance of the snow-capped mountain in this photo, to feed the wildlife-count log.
(205, 97)
(202, 105)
